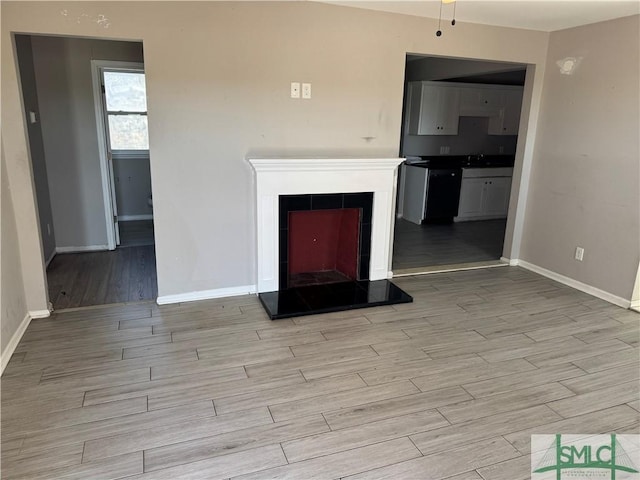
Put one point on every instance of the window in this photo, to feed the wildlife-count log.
(126, 107)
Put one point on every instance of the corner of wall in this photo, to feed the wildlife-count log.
(14, 317)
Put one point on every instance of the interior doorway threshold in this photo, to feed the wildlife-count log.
(453, 267)
(105, 306)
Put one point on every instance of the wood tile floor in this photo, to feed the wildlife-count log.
(99, 278)
(453, 243)
(451, 386)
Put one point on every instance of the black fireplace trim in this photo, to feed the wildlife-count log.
(324, 201)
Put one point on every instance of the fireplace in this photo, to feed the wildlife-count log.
(324, 234)
(324, 238)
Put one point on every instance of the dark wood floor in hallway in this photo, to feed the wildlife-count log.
(449, 387)
(99, 278)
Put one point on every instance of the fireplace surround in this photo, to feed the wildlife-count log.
(277, 178)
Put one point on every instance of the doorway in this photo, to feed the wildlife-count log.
(459, 136)
(91, 166)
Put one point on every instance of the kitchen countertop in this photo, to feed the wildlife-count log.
(463, 161)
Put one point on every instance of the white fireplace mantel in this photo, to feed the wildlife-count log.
(301, 176)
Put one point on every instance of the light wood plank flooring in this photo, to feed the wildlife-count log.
(100, 278)
(450, 386)
(453, 243)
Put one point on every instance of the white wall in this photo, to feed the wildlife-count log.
(586, 169)
(13, 304)
(218, 78)
(65, 94)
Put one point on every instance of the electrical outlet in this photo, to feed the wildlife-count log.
(295, 89)
(306, 90)
(579, 253)
(445, 150)
(500, 149)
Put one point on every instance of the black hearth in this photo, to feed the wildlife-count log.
(324, 248)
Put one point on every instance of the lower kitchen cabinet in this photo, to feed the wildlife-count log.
(483, 198)
(496, 197)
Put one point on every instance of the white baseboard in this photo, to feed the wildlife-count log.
(511, 262)
(39, 313)
(583, 287)
(128, 218)
(17, 336)
(13, 343)
(206, 294)
(48, 261)
(85, 248)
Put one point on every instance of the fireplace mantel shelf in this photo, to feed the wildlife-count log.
(300, 176)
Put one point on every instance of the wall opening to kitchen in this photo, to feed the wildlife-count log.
(459, 136)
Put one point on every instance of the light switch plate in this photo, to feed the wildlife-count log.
(306, 90)
(295, 89)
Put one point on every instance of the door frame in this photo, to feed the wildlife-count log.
(108, 195)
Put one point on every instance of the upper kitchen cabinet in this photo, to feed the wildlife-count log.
(433, 108)
(507, 120)
(480, 101)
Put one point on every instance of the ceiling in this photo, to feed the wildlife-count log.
(544, 15)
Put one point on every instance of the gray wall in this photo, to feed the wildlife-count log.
(65, 94)
(584, 188)
(13, 305)
(218, 79)
(133, 185)
(36, 146)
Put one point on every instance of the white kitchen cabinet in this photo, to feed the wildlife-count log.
(507, 120)
(484, 194)
(433, 108)
(496, 197)
(415, 190)
(480, 101)
(471, 194)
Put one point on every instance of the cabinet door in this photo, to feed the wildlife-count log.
(512, 107)
(471, 194)
(507, 120)
(415, 189)
(449, 110)
(495, 202)
(480, 101)
(434, 109)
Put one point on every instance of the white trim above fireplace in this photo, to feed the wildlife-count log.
(289, 176)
